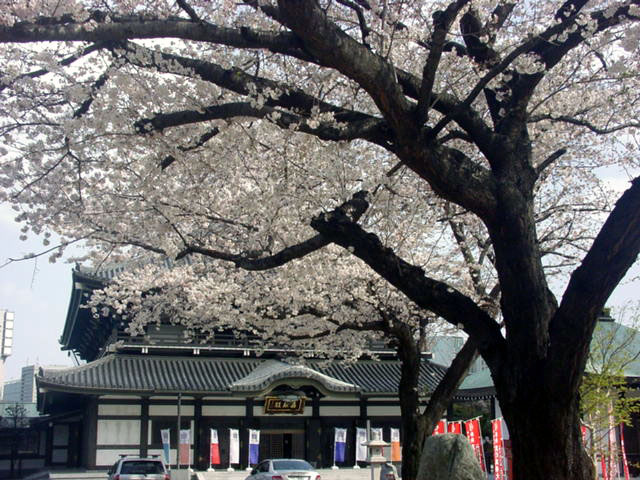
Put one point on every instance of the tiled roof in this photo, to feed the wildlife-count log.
(149, 374)
(273, 370)
(383, 376)
(206, 375)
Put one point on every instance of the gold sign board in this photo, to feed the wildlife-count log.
(280, 405)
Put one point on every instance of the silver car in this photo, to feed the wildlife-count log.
(283, 469)
(139, 468)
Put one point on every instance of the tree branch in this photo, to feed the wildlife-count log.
(189, 10)
(442, 22)
(63, 63)
(335, 49)
(448, 386)
(425, 292)
(353, 209)
(614, 250)
(204, 138)
(550, 160)
(364, 28)
(584, 123)
(372, 129)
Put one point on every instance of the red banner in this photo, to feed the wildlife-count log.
(498, 450)
(441, 428)
(454, 427)
(583, 430)
(215, 448)
(472, 430)
(603, 463)
(625, 464)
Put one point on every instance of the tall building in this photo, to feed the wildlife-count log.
(28, 392)
(6, 341)
(23, 390)
(12, 391)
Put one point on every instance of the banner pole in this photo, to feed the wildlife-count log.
(178, 432)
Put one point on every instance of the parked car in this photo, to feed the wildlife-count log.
(284, 469)
(139, 468)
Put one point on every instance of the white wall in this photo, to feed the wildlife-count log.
(339, 411)
(223, 410)
(119, 410)
(118, 432)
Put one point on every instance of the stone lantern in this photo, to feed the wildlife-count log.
(375, 448)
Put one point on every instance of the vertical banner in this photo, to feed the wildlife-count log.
(361, 450)
(625, 464)
(441, 427)
(254, 446)
(508, 453)
(376, 434)
(472, 429)
(603, 463)
(454, 427)
(234, 446)
(166, 436)
(339, 444)
(613, 449)
(498, 450)
(185, 447)
(583, 431)
(396, 451)
(214, 451)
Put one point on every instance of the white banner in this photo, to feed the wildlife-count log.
(165, 435)
(376, 434)
(361, 450)
(185, 437)
(234, 446)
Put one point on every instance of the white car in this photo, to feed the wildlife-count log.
(283, 469)
(138, 468)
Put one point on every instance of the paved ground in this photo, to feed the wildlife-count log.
(325, 474)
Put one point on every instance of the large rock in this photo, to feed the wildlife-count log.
(449, 457)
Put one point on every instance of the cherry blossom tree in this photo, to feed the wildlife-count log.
(268, 136)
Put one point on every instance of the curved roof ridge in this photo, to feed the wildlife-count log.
(273, 370)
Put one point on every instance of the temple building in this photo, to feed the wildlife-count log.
(131, 388)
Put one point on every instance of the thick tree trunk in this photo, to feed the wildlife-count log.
(541, 405)
(546, 440)
(409, 395)
(416, 426)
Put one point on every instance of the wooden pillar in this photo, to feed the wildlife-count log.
(144, 426)
(200, 443)
(90, 433)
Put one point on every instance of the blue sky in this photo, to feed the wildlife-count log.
(38, 292)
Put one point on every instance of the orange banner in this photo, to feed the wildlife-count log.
(396, 451)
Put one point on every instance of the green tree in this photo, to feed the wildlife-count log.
(614, 355)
